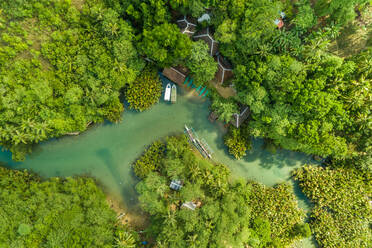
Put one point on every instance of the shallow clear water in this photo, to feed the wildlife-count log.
(106, 151)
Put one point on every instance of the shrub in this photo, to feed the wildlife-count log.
(145, 91)
(342, 214)
(150, 160)
(237, 142)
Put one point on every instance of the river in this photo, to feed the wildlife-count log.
(107, 151)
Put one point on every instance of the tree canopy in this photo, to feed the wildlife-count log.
(145, 91)
(202, 66)
(227, 213)
(342, 213)
(70, 212)
(61, 66)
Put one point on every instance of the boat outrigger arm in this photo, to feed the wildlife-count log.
(197, 143)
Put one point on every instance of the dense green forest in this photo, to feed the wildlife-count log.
(229, 213)
(342, 213)
(65, 64)
(62, 66)
(77, 57)
(70, 212)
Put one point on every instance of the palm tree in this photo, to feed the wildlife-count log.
(114, 29)
(20, 137)
(125, 240)
(191, 239)
(170, 219)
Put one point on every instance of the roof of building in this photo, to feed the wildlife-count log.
(176, 184)
(279, 23)
(187, 25)
(175, 74)
(189, 205)
(208, 38)
(225, 71)
(238, 119)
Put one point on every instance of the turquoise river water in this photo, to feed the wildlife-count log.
(107, 151)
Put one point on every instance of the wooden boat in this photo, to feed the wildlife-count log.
(167, 93)
(200, 145)
(174, 94)
(190, 134)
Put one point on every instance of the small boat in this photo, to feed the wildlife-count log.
(167, 93)
(190, 134)
(174, 94)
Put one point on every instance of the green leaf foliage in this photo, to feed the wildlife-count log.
(301, 107)
(278, 205)
(237, 141)
(229, 213)
(145, 91)
(70, 212)
(62, 66)
(165, 44)
(225, 108)
(338, 11)
(150, 160)
(202, 66)
(342, 213)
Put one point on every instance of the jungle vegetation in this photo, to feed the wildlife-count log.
(228, 213)
(65, 64)
(78, 56)
(62, 66)
(58, 212)
(145, 91)
(237, 142)
(342, 213)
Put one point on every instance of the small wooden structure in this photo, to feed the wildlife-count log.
(208, 38)
(176, 185)
(224, 71)
(175, 74)
(238, 119)
(187, 25)
(189, 205)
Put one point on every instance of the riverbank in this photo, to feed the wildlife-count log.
(137, 220)
(107, 151)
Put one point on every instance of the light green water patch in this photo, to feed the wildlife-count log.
(107, 151)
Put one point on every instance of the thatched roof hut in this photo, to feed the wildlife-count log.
(208, 38)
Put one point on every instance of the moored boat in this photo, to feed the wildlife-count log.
(167, 93)
(174, 94)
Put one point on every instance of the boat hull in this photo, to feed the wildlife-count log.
(167, 93)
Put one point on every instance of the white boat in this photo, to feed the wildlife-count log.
(167, 93)
(190, 134)
(174, 94)
(201, 146)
